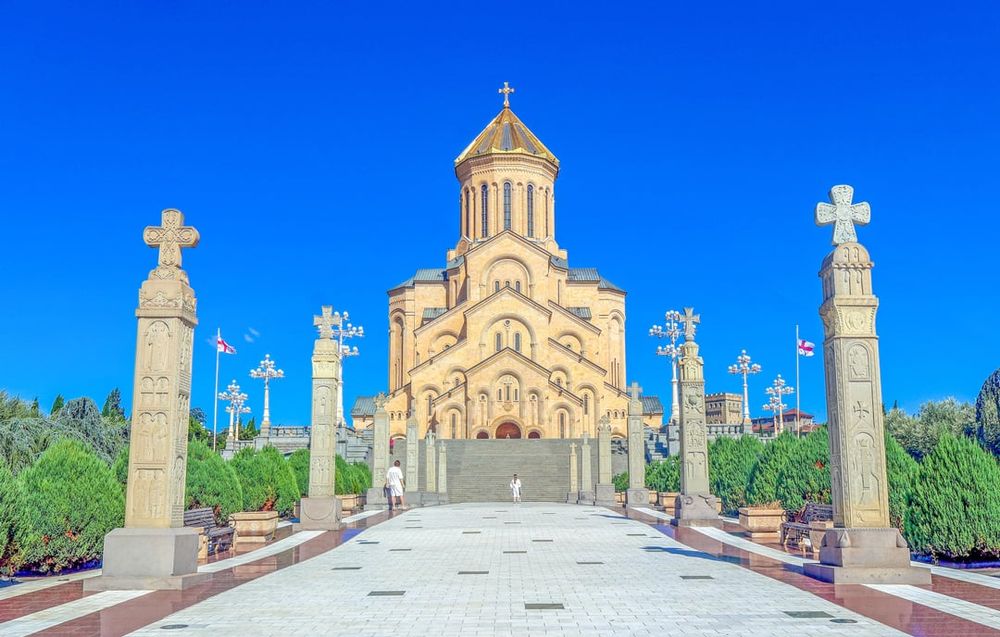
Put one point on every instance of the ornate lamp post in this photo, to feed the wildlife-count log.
(342, 333)
(236, 399)
(744, 367)
(777, 391)
(672, 331)
(266, 371)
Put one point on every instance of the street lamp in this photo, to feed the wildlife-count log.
(776, 392)
(266, 371)
(342, 333)
(671, 331)
(235, 408)
(744, 367)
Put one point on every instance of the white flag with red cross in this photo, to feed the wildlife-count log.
(224, 347)
(806, 348)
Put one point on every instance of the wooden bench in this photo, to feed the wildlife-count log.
(801, 523)
(214, 538)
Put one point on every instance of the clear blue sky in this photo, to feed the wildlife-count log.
(313, 149)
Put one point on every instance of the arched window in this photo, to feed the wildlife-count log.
(454, 425)
(562, 424)
(517, 396)
(499, 341)
(430, 406)
(486, 211)
(496, 286)
(468, 215)
(506, 206)
(506, 284)
(500, 394)
(586, 404)
(531, 210)
(517, 341)
(517, 285)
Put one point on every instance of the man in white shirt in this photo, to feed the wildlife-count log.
(515, 489)
(394, 482)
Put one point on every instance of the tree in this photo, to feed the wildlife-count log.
(196, 427)
(730, 463)
(919, 434)
(248, 430)
(664, 475)
(267, 480)
(211, 482)
(57, 404)
(299, 462)
(988, 413)
(81, 416)
(764, 476)
(805, 477)
(13, 407)
(955, 502)
(901, 470)
(112, 409)
(11, 523)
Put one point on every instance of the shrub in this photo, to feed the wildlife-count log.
(211, 483)
(104, 435)
(267, 480)
(730, 462)
(664, 475)
(919, 434)
(299, 462)
(955, 503)
(353, 478)
(901, 469)
(988, 413)
(71, 500)
(120, 467)
(805, 476)
(620, 481)
(11, 522)
(764, 476)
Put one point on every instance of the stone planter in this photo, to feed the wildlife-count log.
(620, 498)
(254, 527)
(348, 503)
(761, 523)
(667, 499)
(652, 498)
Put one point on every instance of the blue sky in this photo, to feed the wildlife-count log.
(312, 147)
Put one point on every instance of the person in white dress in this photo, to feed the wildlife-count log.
(515, 489)
(394, 482)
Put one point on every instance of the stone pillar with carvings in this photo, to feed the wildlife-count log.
(155, 550)
(430, 463)
(412, 458)
(321, 509)
(637, 494)
(380, 455)
(605, 490)
(695, 506)
(862, 548)
(442, 482)
(586, 478)
(574, 485)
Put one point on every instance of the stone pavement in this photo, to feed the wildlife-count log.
(479, 569)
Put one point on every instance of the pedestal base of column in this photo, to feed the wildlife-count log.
(605, 495)
(586, 498)
(320, 514)
(149, 559)
(442, 498)
(572, 497)
(429, 498)
(866, 556)
(637, 498)
(375, 500)
(696, 510)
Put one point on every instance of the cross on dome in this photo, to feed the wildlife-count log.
(506, 91)
(843, 214)
(170, 236)
(690, 320)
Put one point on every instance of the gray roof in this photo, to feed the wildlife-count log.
(608, 285)
(559, 263)
(363, 406)
(424, 275)
(651, 405)
(582, 312)
(583, 274)
(431, 313)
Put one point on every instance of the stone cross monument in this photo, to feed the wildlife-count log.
(380, 453)
(412, 456)
(862, 548)
(442, 484)
(574, 486)
(637, 494)
(695, 506)
(155, 550)
(321, 509)
(605, 491)
(430, 464)
(586, 478)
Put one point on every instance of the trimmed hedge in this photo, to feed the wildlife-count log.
(901, 470)
(763, 485)
(299, 462)
(805, 476)
(11, 522)
(71, 501)
(955, 503)
(730, 462)
(210, 482)
(353, 478)
(267, 480)
(620, 481)
(664, 475)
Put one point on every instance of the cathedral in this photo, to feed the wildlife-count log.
(506, 340)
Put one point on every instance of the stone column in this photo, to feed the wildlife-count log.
(695, 506)
(861, 548)
(605, 490)
(442, 483)
(586, 479)
(430, 462)
(412, 459)
(637, 494)
(321, 509)
(574, 485)
(155, 550)
(380, 455)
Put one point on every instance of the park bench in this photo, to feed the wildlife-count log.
(214, 538)
(801, 523)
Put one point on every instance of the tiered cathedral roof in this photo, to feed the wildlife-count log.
(506, 134)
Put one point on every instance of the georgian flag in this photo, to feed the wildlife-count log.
(224, 347)
(806, 348)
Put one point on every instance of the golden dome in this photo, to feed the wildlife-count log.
(506, 134)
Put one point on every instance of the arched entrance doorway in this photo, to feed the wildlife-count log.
(508, 430)
(482, 435)
(534, 435)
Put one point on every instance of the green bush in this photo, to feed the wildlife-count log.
(664, 475)
(730, 462)
(71, 500)
(988, 413)
(11, 522)
(901, 469)
(353, 478)
(299, 462)
(267, 480)
(955, 503)
(211, 483)
(621, 482)
(120, 467)
(763, 485)
(805, 477)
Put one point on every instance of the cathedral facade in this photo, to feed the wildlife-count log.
(506, 340)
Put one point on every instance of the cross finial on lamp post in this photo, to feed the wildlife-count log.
(506, 91)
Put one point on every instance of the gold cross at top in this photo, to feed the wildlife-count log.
(843, 214)
(326, 321)
(634, 390)
(506, 91)
(690, 320)
(170, 237)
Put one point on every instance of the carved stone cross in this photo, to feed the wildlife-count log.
(690, 320)
(843, 214)
(380, 400)
(170, 236)
(634, 390)
(326, 321)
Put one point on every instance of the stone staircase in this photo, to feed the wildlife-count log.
(657, 445)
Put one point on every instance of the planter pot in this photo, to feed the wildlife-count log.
(652, 497)
(718, 506)
(619, 498)
(254, 527)
(761, 524)
(667, 499)
(348, 502)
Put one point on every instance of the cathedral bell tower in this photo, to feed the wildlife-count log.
(507, 178)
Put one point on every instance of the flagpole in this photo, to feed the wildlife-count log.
(798, 387)
(215, 411)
